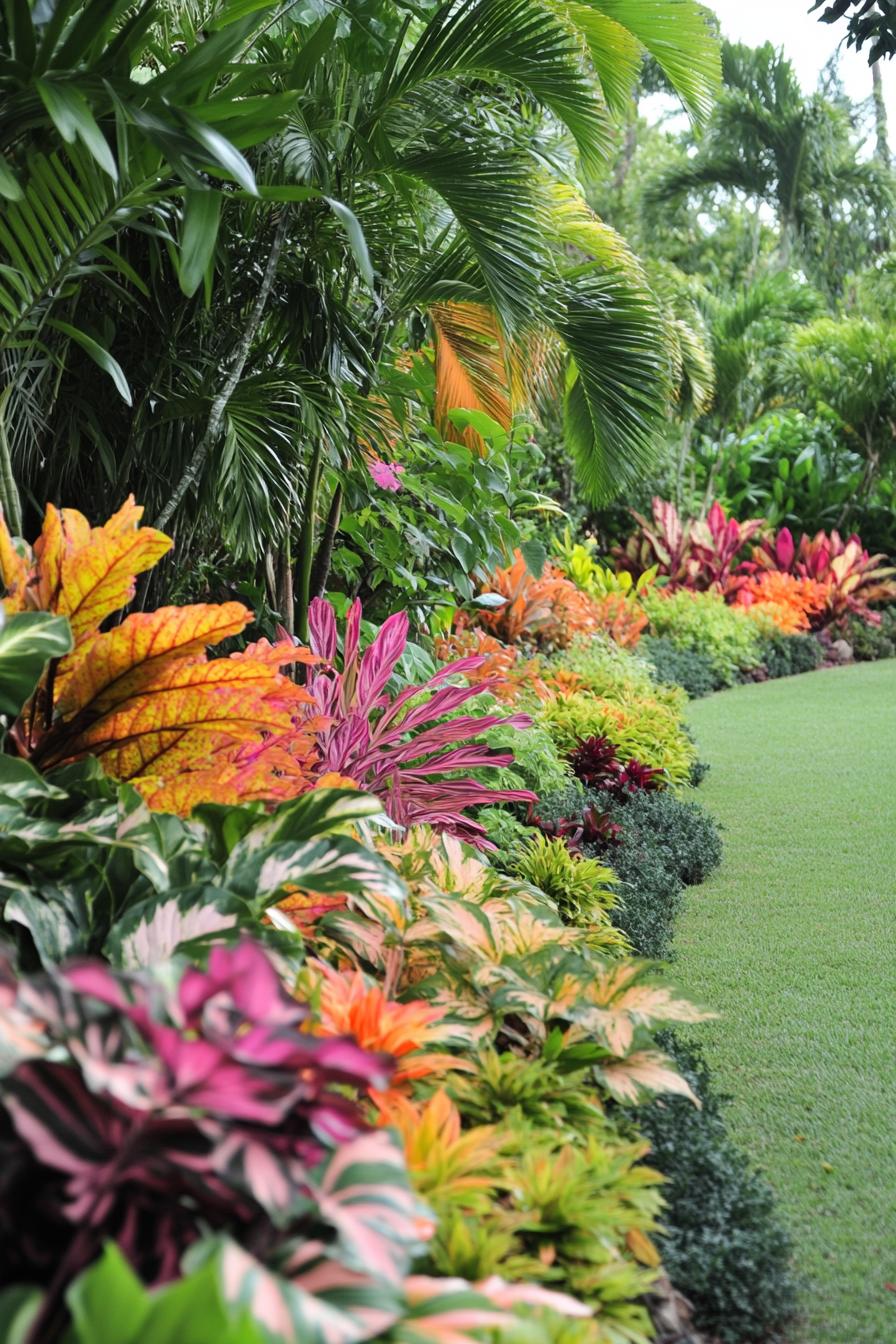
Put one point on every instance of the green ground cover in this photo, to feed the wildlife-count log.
(792, 940)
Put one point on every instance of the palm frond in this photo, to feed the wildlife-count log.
(471, 370)
(523, 42)
(679, 36)
(491, 194)
(618, 384)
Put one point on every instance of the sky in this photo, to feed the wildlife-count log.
(806, 40)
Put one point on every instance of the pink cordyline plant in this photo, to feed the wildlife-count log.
(697, 553)
(403, 748)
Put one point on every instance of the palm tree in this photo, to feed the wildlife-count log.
(792, 152)
(387, 174)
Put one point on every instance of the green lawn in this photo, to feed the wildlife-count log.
(793, 941)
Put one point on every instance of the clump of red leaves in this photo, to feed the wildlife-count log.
(596, 763)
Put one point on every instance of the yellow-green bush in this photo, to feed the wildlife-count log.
(727, 636)
(645, 727)
(613, 673)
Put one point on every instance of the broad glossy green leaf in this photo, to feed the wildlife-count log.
(18, 1307)
(202, 215)
(108, 1303)
(19, 781)
(27, 643)
(55, 918)
(98, 354)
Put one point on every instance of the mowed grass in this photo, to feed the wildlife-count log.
(793, 942)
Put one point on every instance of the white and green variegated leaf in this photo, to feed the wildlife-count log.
(153, 931)
(333, 864)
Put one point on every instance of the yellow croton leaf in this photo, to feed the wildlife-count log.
(144, 697)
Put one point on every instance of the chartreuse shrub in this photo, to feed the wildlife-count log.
(703, 623)
(600, 667)
(722, 1242)
(642, 727)
(582, 889)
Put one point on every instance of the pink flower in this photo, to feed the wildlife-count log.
(387, 475)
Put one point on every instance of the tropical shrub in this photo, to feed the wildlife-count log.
(569, 816)
(702, 623)
(870, 642)
(548, 611)
(509, 675)
(656, 843)
(650, 893)
(686, 832)
(788, 467)
(787, 655)
(723, 1244)
(537, 764)
(854, 578)
(617, 611)
(493, 954)
(576, 1206)
(672, 666)
(642, 727)
(790, 603)
(696, 553)
(581, 889)
(143, 697)
(402, 748)
(164, 1115)
(604, 669)
(86, 868)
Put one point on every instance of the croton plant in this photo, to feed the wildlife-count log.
(144, 698)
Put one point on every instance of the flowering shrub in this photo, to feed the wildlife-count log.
(155, 1116)
(401, 748)
(548, 611)
(694, 553)
(387, 475)
(854, 579)
(143, 697)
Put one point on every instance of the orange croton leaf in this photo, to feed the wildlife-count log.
(81, 572)
(351, 1006)
(144, 697)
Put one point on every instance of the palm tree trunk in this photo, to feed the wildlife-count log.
(321, 571)
(10, 502)
(880, 114)
(234, 374)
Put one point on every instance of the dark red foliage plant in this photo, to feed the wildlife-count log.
(595, 762)
(591, 827)
(154, 1110)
